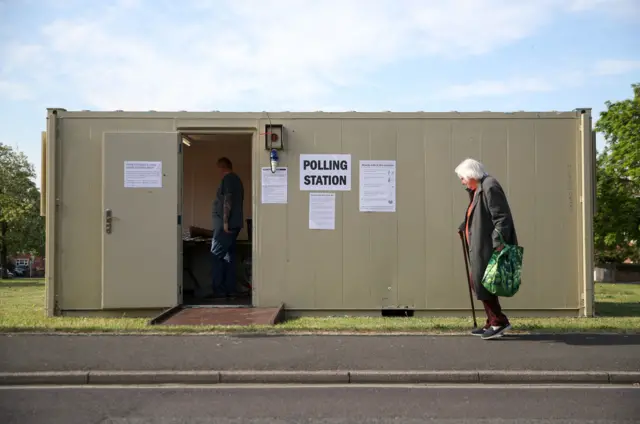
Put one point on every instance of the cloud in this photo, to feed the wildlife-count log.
(484, 88)
(629, 9)
(567, 78)
(284, 54)
(17, 57)
(616, 67)
(14, 90)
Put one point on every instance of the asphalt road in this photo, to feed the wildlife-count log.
(275, 405)
(256, 352)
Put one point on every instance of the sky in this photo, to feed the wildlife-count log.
(309, 55)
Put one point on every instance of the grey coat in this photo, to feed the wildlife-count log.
(491, 213)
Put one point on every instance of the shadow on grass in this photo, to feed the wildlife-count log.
(261, 334)
(18, 285)
(611, 309)
(236, 331)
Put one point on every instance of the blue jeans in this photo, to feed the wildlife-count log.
(223, 252)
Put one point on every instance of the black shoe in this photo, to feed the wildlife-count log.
(479, 331)
(494, 333)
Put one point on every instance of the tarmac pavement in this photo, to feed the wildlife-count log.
(279, 359)
(577, 352)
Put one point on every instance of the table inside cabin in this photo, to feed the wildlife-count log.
(196, 262)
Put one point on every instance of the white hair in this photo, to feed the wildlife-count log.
(471, 169)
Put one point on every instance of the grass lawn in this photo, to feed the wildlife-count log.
(22, 305)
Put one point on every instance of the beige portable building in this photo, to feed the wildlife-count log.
(116, 218)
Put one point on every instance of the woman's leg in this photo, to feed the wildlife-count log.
(495, 316)
(497, 319)
(489, 314)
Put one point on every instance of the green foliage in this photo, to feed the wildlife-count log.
(617, 222)
(21, 227)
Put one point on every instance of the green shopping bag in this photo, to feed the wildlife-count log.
(503, 274)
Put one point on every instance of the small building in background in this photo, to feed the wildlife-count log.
(33, 265)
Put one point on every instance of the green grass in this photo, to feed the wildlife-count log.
(618, 300)
(22, 310)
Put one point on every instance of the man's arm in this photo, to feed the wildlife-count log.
(226, 202)
(226, 209)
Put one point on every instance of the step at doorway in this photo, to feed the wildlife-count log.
(209, 315)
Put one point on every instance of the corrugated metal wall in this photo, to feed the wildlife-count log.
(413, 257)
(371, 260)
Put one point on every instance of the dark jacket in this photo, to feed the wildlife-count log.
(491, 213)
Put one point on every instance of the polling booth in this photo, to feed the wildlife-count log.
(346, 213)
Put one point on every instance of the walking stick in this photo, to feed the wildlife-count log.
(465, 252)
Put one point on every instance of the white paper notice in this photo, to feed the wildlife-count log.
(142, 174)
(322, 211)
(274, 185)
(377, 186)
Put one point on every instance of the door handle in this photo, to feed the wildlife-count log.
(108, 217)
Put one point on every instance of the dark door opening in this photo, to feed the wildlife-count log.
(200, 181)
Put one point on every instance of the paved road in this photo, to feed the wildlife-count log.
(559, 352)
(320, 405)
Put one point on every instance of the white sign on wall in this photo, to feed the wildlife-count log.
(142, 174)
(274, 185)
(322, 211)
(377, 186)
(325, 172)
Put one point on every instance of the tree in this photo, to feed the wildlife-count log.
(21, 226)
(617, 222)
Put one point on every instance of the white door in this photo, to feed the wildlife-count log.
(141, 228)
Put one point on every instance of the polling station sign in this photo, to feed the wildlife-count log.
(325, 172)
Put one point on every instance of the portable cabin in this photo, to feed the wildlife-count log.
(327, 232)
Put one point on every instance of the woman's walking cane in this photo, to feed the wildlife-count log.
(465, 252)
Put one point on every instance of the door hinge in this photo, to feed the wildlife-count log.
(179, 219)
(180, 146)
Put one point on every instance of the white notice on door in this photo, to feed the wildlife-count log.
(377, 186)
(274, 185)
(142, 174)
(322, 211)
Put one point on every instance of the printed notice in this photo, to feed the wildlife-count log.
(274, 185)
(141, 174)
(325, 172)
(377, 186)
(322, 211)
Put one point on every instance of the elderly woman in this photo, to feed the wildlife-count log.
(487, 217)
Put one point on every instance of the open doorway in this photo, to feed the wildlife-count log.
(201, 179)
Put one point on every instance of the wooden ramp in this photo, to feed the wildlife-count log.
(219, 315)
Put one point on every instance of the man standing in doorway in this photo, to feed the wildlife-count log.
(227, 223)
